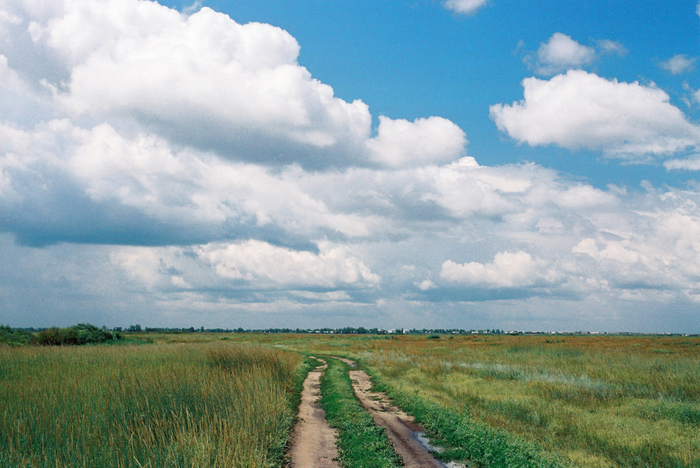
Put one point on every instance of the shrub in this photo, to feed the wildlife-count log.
(80, 334)
(14, 337)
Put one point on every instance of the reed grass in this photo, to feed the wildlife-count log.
(174, 405)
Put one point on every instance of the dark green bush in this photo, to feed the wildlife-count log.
(80, 334)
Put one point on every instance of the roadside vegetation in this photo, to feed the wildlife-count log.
(361, 444)
(592, 400)
(213, 405)
(597, 402)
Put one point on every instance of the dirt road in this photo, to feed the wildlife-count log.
(399, 426)
(313, 444)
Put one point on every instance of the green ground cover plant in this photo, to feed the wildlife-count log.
(361, 444)
(467, 439)
(174, 405)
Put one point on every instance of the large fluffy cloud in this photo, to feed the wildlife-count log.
(203, 81)
(583, 110)
(187, 164)
(61, 182)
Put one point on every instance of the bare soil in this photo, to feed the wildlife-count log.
(313, 444)
(400, 427)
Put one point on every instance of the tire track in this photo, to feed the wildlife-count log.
(313, 444)
(400, 426)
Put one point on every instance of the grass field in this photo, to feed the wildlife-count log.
(595, 401)
(156, 405)
(227, 399)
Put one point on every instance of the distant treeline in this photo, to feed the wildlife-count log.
(86, 333)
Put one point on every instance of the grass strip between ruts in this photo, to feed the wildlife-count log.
(361, 443)
(467, 439)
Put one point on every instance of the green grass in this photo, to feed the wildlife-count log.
(595, 401)
(361, 444)
(467, 439)
(194, 405)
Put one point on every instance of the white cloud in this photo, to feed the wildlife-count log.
(678, 64)
(607, 46)
(400, 143)
(9, 17)
(583, 110)
(246, 266)
(256, 261)
(203, 80)
(507, 270)
(688, 164)
(465, 7)
(562, 53)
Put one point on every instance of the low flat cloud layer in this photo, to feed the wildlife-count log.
(187, 167)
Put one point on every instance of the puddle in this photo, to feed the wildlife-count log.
(420, 436)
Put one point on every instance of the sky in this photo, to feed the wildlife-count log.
(320, 163)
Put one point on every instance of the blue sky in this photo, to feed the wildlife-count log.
(458, 163)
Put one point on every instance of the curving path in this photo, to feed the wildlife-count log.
(313, 444)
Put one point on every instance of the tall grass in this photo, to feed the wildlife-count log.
(599, 402)
(595, 401)
(195, 405)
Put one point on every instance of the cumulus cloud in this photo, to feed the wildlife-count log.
(583, 110)
(678, 64)
(250, 265)
(204, 80)
(95, 185)
(256, 261)
(507, 270)
(465, 7)
(400, 143)
(184, 162)
(561, 53)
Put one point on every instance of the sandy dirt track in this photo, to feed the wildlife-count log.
(399, 426)
(313, 444)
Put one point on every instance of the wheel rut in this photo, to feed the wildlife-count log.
(313, 443)
(400, 426)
